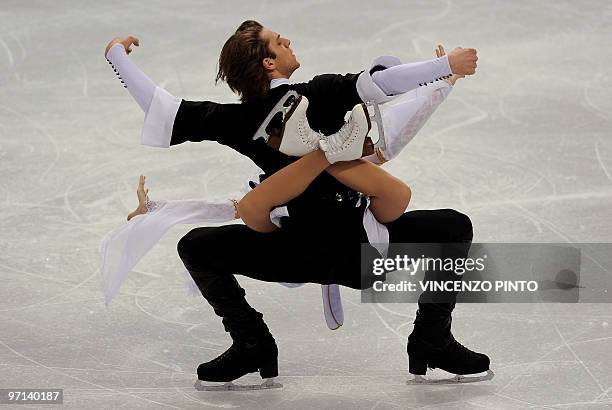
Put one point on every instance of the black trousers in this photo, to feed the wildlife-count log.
(301, 253)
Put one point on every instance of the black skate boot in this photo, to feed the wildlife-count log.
(432, 345)
(253, 348)
(240, 359)
(453, 358)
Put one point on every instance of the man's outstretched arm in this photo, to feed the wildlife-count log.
(139, 85)
(159, 106)
(169, 120)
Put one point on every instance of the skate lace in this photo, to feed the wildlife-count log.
(308, 136)
(343, 138)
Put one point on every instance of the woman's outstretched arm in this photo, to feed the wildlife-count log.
(389, 197)
(278, 189)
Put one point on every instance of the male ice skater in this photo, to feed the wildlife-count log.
(257, 63)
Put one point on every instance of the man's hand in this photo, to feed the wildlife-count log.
(463, 61)
(439, 53)
(126, 42)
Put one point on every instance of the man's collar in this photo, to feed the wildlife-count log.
(279, 81)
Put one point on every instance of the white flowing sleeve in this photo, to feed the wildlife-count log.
(159, 106)
(124, 247)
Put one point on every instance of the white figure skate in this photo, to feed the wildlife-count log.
(347, 144)
(286, 127)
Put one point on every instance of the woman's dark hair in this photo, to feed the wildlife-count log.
(240, 62)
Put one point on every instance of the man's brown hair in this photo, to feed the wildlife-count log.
(241, 62)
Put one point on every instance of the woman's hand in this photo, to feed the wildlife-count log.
(141, 192)
(454, 77)
(125, 41)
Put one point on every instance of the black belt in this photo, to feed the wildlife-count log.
(348, 198)
(320, 205)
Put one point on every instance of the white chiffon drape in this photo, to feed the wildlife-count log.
(125, 246)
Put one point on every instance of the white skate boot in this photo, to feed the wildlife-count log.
(298, 139)
(286, 127)
(347, 144)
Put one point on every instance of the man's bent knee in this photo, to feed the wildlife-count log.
(190, 246)
(462, 226)
(184, 245)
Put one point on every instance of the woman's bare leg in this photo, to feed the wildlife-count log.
(389, 197)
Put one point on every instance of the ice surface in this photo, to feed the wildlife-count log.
(523, 147)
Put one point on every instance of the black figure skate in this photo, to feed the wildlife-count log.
(237, 361)
(451, 357)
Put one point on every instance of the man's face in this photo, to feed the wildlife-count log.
(285, 62)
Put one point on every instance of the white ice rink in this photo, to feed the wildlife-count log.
(524, 148)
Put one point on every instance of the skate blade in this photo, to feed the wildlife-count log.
(377, 135)
(283, 107)
(231, 386)
(458, 379)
